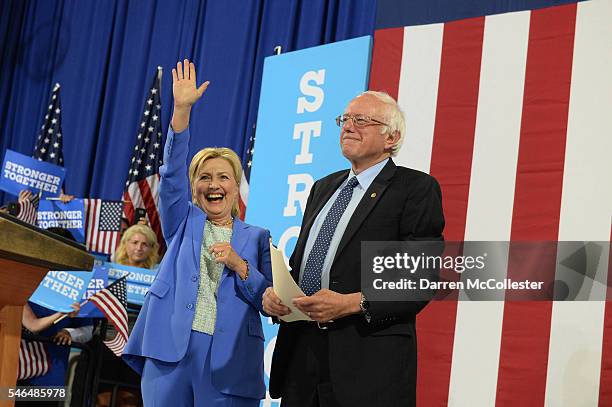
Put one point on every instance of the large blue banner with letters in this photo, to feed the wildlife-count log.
(298, 140)
(69, 216)
(21, 172)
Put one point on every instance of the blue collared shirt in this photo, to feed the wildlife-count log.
(365, 179)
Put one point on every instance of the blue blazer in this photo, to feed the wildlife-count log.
(163, 327)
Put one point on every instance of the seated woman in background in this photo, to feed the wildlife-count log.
(138, 247)
(198, 339)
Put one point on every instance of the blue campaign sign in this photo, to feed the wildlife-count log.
(21, 172)
(298, 140)
(59, 289)
(99, 280)
(70, 216)
(138, 280)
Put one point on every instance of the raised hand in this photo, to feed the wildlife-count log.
(185, 92)
(77, 308)
(184, 84)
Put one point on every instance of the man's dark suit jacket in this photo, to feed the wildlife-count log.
(370, 364)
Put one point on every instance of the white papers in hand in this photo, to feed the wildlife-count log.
(285, 286)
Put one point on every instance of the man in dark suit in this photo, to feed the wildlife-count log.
(358, 352)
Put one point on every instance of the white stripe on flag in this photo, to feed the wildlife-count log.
(21, 362)
(418, 93)
(244, 189)
(135, 195)
(577, 327)
(27, 366)
(478, 326)
(41, 361)
(94, 215)
(153, 181)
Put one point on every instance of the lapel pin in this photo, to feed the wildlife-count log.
(373, 195)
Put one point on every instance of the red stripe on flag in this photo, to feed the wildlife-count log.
(387, 61)
(151, 207)
(128, 206)
(537, 202)
(242, 207)
(116, 345)
(451, 164)
(605, 381)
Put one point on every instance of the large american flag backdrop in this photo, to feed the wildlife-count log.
(142, 185)
(512, 113)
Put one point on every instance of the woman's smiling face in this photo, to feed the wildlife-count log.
(216, 189)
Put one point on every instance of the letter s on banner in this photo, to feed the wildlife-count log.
(310, 90)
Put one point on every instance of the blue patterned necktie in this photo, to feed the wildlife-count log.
(311, 280)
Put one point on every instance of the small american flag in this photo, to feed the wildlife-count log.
(49, 142)
(33, 360)
(246, 176)
(142, 185)
(103, 225)
(112, 301)
(28, 208)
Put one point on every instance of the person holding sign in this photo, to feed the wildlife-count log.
(357, 352)
(47, 322)
(198, 339)
(34, 324)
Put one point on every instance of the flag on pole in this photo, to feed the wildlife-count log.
(246, 176)
(103, 224)
(33, 360)
(49, 145)
(112, 301)
(142, 185)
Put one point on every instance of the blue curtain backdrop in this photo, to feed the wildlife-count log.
(105, 53)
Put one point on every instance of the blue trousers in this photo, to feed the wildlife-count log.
(186, 383)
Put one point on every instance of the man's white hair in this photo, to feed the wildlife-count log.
(393, 116)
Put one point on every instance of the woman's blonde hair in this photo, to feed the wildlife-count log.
(121, 256)
(207, 154)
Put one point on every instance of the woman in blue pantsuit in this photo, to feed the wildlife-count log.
(198, 340)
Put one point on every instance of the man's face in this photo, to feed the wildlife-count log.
(365, 146)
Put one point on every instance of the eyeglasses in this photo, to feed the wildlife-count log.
(359, 120)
